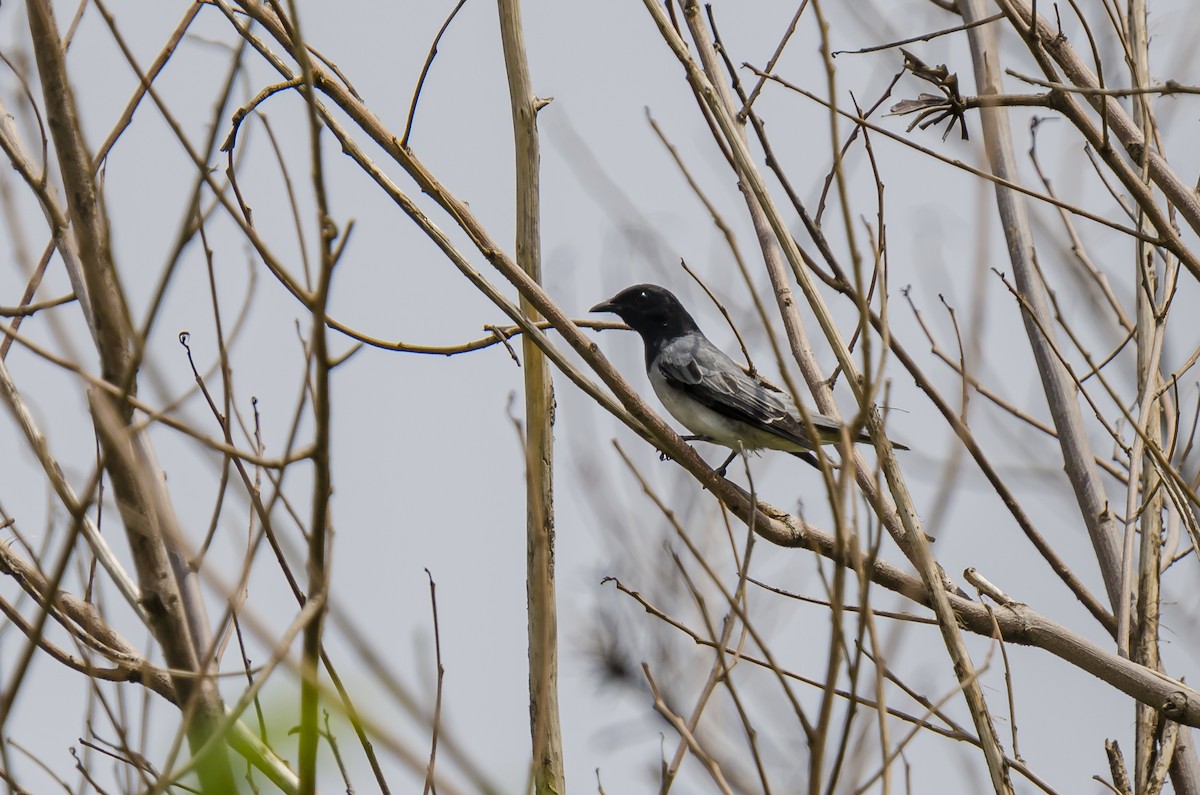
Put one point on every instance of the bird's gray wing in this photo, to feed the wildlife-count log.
(701, 370)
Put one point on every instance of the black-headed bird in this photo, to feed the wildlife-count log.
(707, 391)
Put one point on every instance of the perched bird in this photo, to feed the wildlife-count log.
(706, 390)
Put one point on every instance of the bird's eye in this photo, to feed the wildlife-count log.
(642, 294)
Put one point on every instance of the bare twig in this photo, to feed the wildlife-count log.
(430, 787)
(412, 106)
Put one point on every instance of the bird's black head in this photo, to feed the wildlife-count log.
(651, 311)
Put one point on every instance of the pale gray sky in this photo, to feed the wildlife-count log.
(428, 468)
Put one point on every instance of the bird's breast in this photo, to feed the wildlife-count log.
(704, 421)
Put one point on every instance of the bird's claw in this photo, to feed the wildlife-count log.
(690, 438)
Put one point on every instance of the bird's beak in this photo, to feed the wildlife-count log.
(603, 306)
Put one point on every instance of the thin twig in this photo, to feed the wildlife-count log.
(412, 106)
(430, 787)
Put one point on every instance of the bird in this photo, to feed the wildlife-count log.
(706, 391)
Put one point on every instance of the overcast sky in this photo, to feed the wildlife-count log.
(428, 469)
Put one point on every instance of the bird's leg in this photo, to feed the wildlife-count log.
(728, 461)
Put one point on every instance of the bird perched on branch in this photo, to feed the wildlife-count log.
(707, 391)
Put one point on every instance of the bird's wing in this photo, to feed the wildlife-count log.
(705, 373)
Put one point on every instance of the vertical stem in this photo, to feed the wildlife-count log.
(318, 542)
(1143, 646)
(539, 412)
(1144, 643)
(318, 539)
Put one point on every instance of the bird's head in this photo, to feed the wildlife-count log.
(650, 310)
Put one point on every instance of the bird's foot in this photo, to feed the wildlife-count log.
(689, 438)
